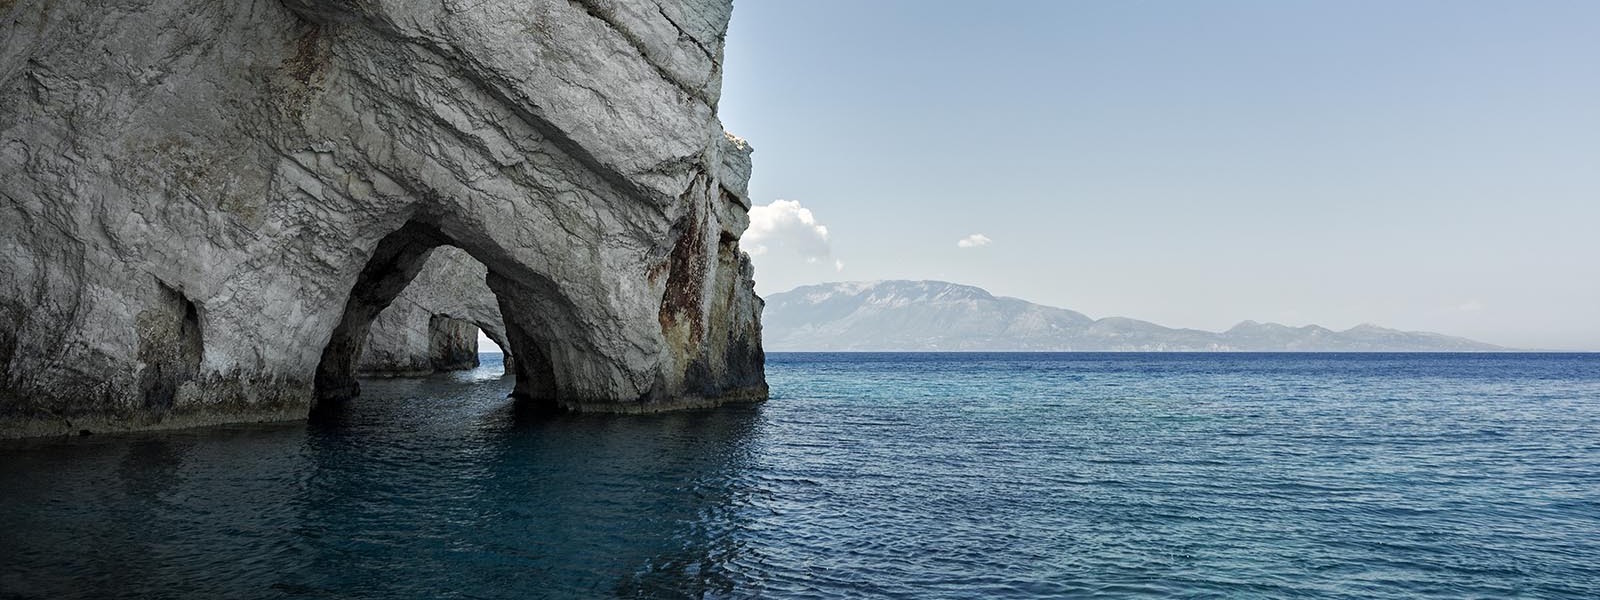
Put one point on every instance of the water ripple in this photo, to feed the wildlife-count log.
(885, 476)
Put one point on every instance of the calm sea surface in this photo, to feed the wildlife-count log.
(866, 475)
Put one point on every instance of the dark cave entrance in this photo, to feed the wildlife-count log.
(172, 346)
(452, 341)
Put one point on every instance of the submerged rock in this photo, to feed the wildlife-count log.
(205, 205)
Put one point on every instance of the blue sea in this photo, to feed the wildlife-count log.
(865, 476)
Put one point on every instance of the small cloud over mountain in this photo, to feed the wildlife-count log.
(789, 245)
(973, 241)
(786, 225)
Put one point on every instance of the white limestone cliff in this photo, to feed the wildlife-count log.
(205, 204)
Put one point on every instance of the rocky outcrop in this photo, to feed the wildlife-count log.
(433, 325)
(204, 205)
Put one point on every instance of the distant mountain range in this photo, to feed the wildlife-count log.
(915, 316)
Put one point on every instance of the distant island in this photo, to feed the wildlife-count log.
(930, 316)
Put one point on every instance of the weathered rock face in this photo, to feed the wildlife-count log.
(433, 325)
(205, 204)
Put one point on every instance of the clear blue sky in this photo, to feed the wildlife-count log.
(1422, 164)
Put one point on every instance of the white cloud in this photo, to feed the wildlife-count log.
(1470, 306)
(838, 265)
(785, 224)
(973, 241)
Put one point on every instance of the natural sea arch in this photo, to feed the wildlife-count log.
(395, 263)
(217, 255)
(437, 323)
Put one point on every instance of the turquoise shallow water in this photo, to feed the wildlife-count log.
(879, 475)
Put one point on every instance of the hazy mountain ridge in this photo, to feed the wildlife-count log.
(899, 315)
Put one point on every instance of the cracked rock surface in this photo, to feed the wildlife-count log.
(205, 205)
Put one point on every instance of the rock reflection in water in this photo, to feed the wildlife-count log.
(432, 487)
(945, 476)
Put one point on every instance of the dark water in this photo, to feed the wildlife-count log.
(908, 476)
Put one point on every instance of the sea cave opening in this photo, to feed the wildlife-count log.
(420, 306)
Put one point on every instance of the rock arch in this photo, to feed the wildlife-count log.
(431, 318)
(542, 322)
(287, 167)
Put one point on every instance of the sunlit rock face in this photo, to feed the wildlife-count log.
(206, 204)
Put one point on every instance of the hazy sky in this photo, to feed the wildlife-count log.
(1421, 165)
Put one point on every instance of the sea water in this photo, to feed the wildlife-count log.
(866, 475)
